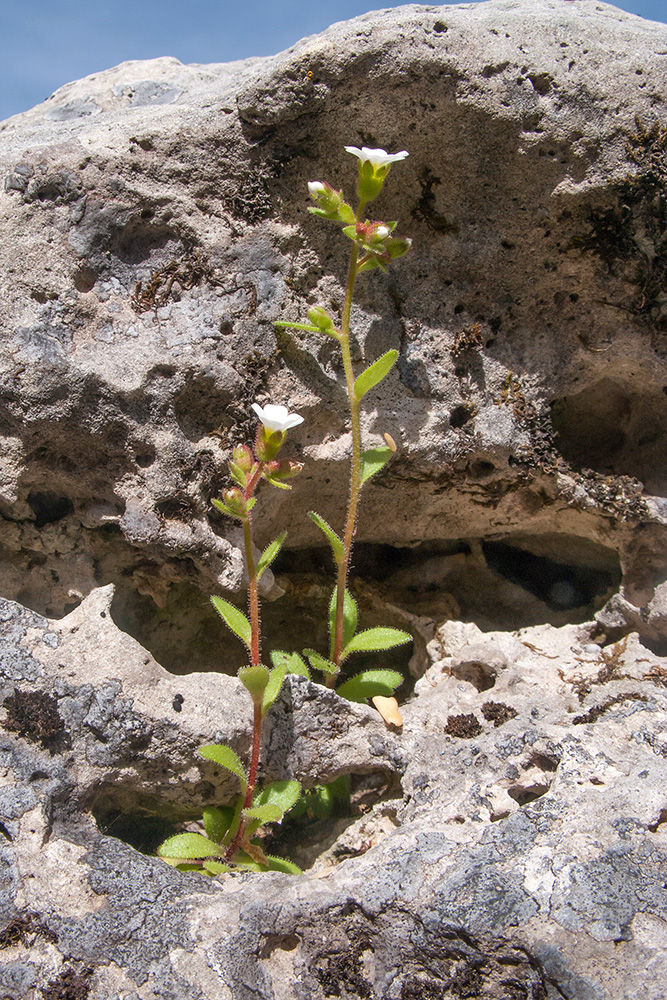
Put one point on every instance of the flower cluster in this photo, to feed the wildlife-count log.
(376, 244)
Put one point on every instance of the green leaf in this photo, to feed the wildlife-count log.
(223, 508)
(373, 460)
(238, 475)
(278, 485)
(225, 757)
(374, 374)
(282, 794)
(370, 683)
(293, 663)
(296, 326)
(281, 865)
(268, 813)
(318, 662)
(249, 865)
(217, 820)
(216, 867)
(255, 680)
(349, 617)
(233, 619)
(335, 542)
(188, 845)
(374, 639)
(272, 689)
(270, 553)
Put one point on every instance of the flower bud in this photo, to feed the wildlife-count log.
(287, 468)
(322, 320)
(235, 502)
(398, 247)
(242, 457)
(330, 203)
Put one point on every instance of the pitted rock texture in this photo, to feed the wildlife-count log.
(521, 853)
(155, 227)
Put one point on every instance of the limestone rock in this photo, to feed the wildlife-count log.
(154, 229)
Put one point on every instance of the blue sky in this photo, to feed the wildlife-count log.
(47, 43)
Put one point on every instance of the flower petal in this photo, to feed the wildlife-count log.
(276, 417)
(378, 157)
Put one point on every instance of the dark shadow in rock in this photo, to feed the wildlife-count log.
(560, 585)
(614, 429)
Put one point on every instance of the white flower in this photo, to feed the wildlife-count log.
(276, 418)
(316, 188)
(378, 157)
(382, 232)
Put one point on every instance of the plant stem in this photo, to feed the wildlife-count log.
(253, 600)
(252, 779)
(253, 595)
(355, 468)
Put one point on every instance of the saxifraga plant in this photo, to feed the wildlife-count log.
(231, 831)
(373, 245)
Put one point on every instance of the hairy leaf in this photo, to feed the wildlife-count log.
(374, 639)
(318, 662)
(281, 865)
(268, 813)
(225, 757)
(374, 374)
(188, 845)
(336, 543)
(217, 820)
(281, 793)
(223, 508)
(216, 867)
(349, 617)
(370, 683)
(270, 553)
(373, 460)
(293, 663)
(272, 689)
(233, 619)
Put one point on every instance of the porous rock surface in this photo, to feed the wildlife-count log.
(155, 228)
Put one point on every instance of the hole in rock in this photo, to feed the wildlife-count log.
(84, 279)
(614, 430)
(140, 830)
(200, 407)
(460, 416)
(143, 820)
(560, 585)
(662, 819)
(139, 238)
(49, 507)
(475, 672)
(527, 793)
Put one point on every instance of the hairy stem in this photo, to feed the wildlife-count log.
(252, 780)
(253, 594)
(355, 468)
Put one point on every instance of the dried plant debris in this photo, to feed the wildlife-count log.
(594, 713)
(470, 338)
(498, 713)
(69, 985)
(166, 284)
(464, 727)
(34, 715)
(22, 929)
